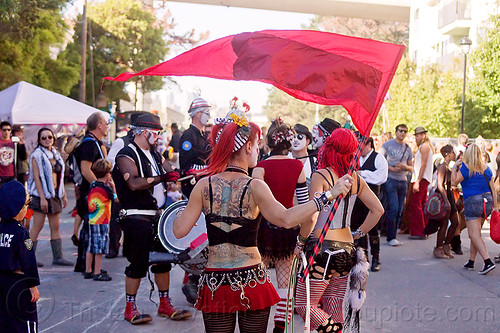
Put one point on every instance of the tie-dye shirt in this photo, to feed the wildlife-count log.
(99, 200)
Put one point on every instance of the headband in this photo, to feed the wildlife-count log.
(237, 117)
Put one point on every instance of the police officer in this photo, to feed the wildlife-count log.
(18, 270)
(139, 174)
(194, 149)
(374, 171)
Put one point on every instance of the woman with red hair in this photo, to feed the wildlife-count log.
(338, 257)
(235, 281)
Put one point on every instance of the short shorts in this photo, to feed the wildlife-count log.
(476, 207)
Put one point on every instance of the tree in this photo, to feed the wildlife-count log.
(428, 97)
(125, 36)
(386, 31)
(27, 31)
(482, 114)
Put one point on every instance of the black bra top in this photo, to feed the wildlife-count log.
(56, 168)
(245, 235)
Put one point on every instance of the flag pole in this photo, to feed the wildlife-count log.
(335, 206)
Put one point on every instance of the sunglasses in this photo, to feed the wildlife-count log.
(43, 138)
(6, 129)
(402, 131)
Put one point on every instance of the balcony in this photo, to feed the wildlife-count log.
(455, 17)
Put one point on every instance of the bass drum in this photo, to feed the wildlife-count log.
(195, 243)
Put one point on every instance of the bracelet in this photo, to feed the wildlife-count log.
(359, 233)
(319, 204)
(302, 239)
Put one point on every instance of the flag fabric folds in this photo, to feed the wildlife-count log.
(313, 66)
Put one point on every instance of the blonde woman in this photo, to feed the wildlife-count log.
(479, 201)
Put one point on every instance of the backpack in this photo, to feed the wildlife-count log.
(75, 175)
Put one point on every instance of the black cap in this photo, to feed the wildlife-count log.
(302, 129)
(148, 120)
(329, 125)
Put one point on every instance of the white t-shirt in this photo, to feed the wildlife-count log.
(159, 189)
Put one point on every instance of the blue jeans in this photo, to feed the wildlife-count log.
(395, 192)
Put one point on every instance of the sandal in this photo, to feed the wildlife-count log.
(102, 277)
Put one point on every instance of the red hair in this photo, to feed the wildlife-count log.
(338, 151)
(222, 151)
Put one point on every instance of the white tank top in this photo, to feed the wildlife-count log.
(418, 163)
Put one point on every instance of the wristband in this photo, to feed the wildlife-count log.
(358, 232)
(302, 239)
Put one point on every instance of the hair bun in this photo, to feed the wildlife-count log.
(342, 141)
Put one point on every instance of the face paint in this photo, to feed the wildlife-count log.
(205, 117)
(299, 142)
(318, 137)
(153, 137)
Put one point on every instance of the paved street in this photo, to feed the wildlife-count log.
(413, 292)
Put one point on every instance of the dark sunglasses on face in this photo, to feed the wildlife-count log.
(6, 129)
(50, 137)
(402, 131)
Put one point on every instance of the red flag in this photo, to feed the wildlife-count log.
(314, 66)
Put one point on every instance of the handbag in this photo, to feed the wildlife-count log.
(55, 205)
(434, 206)
(494, 219)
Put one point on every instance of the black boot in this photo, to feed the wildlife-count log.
(38, 264)
(456, 245)
(57, 252)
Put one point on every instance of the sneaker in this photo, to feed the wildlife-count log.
(394, 242)
(487, 268)
(88, 275)
(469, 265)
(166, 309)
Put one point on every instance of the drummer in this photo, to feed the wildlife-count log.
(139, 174)
(232, 203)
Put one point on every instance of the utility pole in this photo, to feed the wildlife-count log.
(83, 69)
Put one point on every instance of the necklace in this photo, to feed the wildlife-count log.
(233, 168)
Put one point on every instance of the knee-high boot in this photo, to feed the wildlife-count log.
(57, 252)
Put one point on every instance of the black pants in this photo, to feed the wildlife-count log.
(83, 244)
(359, 213)
(115, 230)
(17, 312)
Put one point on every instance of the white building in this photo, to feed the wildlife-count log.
(436, 27)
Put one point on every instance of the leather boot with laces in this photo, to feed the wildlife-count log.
(166, 309)
(133, 316)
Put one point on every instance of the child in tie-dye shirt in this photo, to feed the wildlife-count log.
(101, 194)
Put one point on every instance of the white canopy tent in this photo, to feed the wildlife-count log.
(27, 104)
(35, 107)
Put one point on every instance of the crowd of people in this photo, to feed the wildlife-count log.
(266, 198)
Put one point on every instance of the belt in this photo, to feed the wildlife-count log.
(147, 212)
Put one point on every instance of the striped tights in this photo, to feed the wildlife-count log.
(332, 292)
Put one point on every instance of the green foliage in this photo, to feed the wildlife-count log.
(428, 97)
(482, 114)
(27, 31)
(124, 38)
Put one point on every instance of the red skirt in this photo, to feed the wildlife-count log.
(224, 299)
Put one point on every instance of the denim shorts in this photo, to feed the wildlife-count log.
(476, 208)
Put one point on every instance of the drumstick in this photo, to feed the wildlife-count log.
(185, 178)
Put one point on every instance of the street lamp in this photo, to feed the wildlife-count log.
(465, 44)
